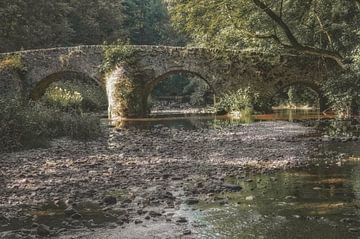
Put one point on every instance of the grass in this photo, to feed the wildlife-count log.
(63, 112)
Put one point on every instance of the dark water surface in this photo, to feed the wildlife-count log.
(195, 121)
(321, 201)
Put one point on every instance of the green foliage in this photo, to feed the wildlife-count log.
(325, 24)
(75, 96)
(29, 125)
(42, 23)
(117, 54)
(63, 98)
(29, 24)
(147, 23)
(342, 92)
(240, 100)
(296, 96)
(11, 62)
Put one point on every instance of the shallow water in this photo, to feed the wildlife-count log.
(196, 121)
(321, 201)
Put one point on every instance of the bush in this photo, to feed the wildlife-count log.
(240, 100)
(26, 125)
(76, 95)
(343, 94)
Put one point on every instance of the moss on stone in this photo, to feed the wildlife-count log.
(12, 62)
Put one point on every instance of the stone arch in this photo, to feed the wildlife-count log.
(149, 86)
(311, 85)
(40, 88)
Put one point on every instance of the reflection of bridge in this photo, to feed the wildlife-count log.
(129, 83)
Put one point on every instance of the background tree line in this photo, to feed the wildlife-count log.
(28, 24)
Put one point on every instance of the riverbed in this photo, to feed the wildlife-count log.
(210, 178)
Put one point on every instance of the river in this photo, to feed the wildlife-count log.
(290, 181)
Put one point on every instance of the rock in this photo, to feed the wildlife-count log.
(76, 216)
(154, 214)
(181, 220)
(232, 187)
(192, 201)
(110, 200)
(354, 229)
(187, 232)
(290, 197)
(43, 230)
(250, 198)
(70, 211)
(3, 219)
(138, 221)
(9, 235)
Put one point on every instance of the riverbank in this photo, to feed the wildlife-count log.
(138, 180)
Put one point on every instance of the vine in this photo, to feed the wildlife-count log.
(117, 54)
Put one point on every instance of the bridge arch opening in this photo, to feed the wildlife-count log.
(70, 87)
(299, 95)
(179, 91)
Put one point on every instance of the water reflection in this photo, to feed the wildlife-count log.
(321, 201)
(194, 121)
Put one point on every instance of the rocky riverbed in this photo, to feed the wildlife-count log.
(135, 183)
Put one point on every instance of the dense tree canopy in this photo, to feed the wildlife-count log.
(325, 28)
(26, 24)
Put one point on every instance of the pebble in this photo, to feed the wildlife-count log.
(181, 220)
(43, 230)
(110, 200)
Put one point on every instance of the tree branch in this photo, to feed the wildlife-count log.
(294, 44)
(293, 41)
(324, 31)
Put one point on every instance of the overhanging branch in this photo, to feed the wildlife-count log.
(293, 42)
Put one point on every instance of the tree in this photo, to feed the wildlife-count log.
(33, 23)
(327, 29)
(324, 28)
(147, 22)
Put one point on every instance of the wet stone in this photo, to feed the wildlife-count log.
(138, 221)
(43, 230)
(192, 201)
(76, 216)
(181, 220)
(154, 214)
(354, 229)
(110, 200)
(70, 211)
(232, 187)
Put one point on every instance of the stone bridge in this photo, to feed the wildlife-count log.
(129, 79)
